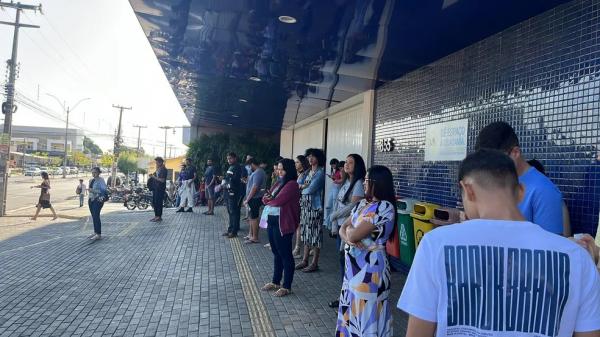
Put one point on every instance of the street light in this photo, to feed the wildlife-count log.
(68, 110)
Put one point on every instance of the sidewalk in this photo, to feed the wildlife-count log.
(175, 278)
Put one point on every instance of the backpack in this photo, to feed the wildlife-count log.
(78, 190)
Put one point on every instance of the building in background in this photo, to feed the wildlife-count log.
(32, 139)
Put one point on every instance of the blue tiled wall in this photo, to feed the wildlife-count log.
(542, 76)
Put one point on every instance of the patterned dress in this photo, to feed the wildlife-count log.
(364, 307)
(311, 220)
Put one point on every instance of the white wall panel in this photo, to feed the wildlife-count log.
(309, 136)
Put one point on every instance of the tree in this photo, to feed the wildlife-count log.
(80, 159)
(127, 162)
(106, 160)
(90, 147)
(216, 146)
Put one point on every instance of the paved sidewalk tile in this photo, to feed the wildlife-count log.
(175, 278)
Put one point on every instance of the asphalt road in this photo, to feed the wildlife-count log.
(20, 194)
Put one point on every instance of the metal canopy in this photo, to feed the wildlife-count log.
(238, 63)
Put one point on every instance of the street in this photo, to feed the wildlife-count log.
(20, 195)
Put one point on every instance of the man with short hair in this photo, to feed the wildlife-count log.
(542, 202)
(498, 274)
(235, 193)
(255, 189)
(188, 187)
(209, 184)
(81, 192)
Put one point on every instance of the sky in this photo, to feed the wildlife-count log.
(95, 49)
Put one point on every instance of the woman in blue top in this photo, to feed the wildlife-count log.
(311, 210)
(96, 190)
(302, 168)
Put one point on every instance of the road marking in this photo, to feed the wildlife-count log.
(261, 323)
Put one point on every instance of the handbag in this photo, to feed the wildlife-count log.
(151, 183)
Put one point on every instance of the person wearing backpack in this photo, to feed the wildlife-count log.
(97, 197)
(81, 191)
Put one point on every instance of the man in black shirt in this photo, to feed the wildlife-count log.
(160, 185)
(235, 192)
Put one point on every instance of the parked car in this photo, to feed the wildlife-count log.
(66, 170)
(45, 169)
(33, 172)
(57, 171)
(74, 170)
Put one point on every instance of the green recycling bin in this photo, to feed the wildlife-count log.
(406, 230)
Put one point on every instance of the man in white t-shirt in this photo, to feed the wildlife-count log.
(499, 275)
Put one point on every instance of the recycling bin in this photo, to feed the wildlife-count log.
(422, 214)
(445, 216)
(404, 222)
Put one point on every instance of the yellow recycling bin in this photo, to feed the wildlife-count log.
(422, 214)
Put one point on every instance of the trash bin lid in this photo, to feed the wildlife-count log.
(406, 205)
(423, 210)
(445, 216)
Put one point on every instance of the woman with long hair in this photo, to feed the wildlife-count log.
(351, 192)
(282, 203)
(302, 168)
(311, 210)
(97, 190)
(44, 199)
(364, 306)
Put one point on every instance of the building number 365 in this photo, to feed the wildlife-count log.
(385, 145)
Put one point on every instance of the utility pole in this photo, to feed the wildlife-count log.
(166, 128)
(8, 107)
(139, 142)
(117, 144)
(68, 110)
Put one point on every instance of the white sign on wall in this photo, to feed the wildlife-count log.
(446, 141)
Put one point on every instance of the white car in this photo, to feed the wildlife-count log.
(57, 171)
(66, 170)
(74, 170)
(33, 172)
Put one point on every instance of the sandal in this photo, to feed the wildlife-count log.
(270, 287)
(311, 268)
(296, 251)
(248, 241)
(282, 292)
(301, 265)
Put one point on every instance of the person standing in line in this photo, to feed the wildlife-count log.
(180, 179)
(542, 202)
(81, 191)
(311, 205)
(97, 191)
(351, 192)
(283, 201)
(255, 189)
(235, 193)
(210, 182)
(499, 274)
(302, 169)
(160, 185)
(363, 302)
(44, 199)
(189, 188)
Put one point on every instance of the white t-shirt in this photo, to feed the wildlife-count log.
(502, 278)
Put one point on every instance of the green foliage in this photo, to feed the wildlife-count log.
(127, 162)
(106, 160)
(80, 159)
(56, 161)
(217, 146)
(90, 147)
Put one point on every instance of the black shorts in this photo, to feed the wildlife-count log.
(254, 205)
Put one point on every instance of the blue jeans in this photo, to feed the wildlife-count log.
(95, 208)
(81, 197)
(281, 247)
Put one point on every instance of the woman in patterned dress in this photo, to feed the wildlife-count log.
(311, 210)
(364, 308)
(44, 200)
(302, 167)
